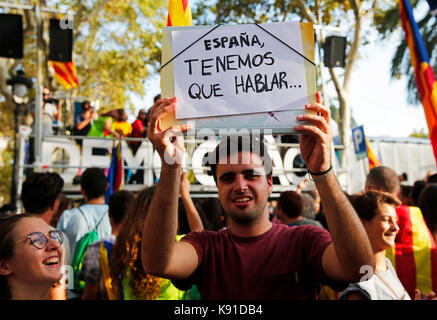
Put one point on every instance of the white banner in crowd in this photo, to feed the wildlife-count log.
(411, 156)
(148, 159)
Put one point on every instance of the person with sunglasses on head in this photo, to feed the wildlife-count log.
(31, 255)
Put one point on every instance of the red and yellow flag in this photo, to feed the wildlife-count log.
(424, 74)
(373, 160)
(65, 74)
(414, 255)
(179, 13)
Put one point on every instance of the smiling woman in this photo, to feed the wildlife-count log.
(30, 258)
(377, 211)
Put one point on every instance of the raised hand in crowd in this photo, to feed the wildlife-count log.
(169, 143)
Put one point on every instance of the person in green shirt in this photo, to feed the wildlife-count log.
(103, 126)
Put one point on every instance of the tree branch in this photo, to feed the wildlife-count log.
(4, 75)
(82, 18)
(353, 53)
(306, 11)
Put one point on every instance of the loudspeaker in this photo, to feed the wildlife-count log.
(61, 42)
(11, 36)
(334, 49)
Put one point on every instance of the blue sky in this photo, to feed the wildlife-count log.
(379, 102)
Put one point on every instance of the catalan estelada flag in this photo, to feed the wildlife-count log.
(65, 74)
(179, 13)
(425, 79)
(414, 255)
(373, 160)
(115, 174)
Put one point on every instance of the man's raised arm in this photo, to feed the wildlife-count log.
(160, 254)
(351, 249)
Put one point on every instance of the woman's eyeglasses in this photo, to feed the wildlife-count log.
(39, 240)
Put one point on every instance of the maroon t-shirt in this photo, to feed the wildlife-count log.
(283, 263)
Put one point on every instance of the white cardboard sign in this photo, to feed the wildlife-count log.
(239, 69)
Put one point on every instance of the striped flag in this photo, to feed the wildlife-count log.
(424, 74)
(414, 255)
(115, 174)
(373, 160)
(65, 74)
(179, 13)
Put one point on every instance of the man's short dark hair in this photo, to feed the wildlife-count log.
(157, 97)
(40, 190)
(367, 203)
(432, 178)
(93, 182)
(290, 202)
(119, 202)
(230, 145)
(427, 206)
(383, 179)
(418, 187)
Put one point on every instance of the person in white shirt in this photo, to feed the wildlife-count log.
(377, 211)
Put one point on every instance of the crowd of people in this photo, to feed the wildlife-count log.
(160, 244)
(110, 123)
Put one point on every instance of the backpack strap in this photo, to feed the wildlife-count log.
(83, 215)
(98, 223)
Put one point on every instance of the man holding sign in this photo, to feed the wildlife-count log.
(253, 258)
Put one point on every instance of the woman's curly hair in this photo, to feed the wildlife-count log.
(126, 253)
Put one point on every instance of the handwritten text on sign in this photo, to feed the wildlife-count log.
(238, 70)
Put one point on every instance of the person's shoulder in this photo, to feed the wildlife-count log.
(300, 229)
(390, 265)
(94, 208)
(205, 236)
(71, 220)
(206, 233)
(306, 233)
(71, 214)
(312, 222)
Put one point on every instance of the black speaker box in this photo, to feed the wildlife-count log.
(61, 42)
(334, 52)
(11, 36)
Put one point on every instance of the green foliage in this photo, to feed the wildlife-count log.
(250, 11)
(7, 131)
(420, 134)
(116, 48)
(389, 22)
